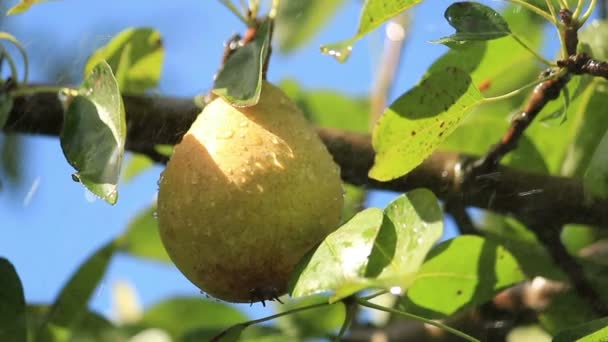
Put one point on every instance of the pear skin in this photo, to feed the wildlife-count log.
(246, 194)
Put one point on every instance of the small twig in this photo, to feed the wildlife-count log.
(543, 93)
(569, 32)
(549, 236)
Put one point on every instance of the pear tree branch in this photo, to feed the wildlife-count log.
(163, 120)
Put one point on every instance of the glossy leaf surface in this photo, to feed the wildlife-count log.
(420, 120)
(465, 271)
(240, 80)
(374, 13)
(94, 133)
(375, 249)
(474, 21)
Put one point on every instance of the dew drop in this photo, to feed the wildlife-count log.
(275, 140)
(276, 161)
(259, 165)
(225, 134)
(244, 124)
(260, 188)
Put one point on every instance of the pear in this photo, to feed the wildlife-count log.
(246, 194)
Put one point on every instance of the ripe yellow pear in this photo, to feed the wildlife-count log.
(247, 192)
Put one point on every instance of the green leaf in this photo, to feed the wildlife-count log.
(375, 249)
(596, 36)
(136, 164)
(297, 21)
(179, 315)
(317, 322)
(22, 6)
(354, 198)
(420, 120)
(12, 156)
(473, 21)
(12, 311)
(329, 108)
(559, 314)
(141, 238)
(595, 180)
(240, 80)
(594, 331)
(90, 327)
(71, 304)
(374, 13)
(6, 105)
(462, 272)
(94, 133)
(500, 65)
(531, 255)
(94, 327)
(136, 57)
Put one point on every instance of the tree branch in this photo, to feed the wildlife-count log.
(162, 120)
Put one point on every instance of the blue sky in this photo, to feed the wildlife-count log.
(50, 224)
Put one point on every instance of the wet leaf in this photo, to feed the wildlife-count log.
(71, 304)
(473, 21)
(596, 330)
(375, 249)
(94, 133)
(22, 6)
(420, 120)
(142, 239)
(373, 14)
(463, 272)
(135, 56)
(12, 311)
(297, 21)
(240, 80)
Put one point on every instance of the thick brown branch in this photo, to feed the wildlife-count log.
(157, 120)
(581, 64)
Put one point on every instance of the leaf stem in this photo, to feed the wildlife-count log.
(12, 39)
(579, 7)
(564, 4)
(529, 6)
(11, 63)
(22, 91)
(288, 312)
(232, 8)
(534, 53)
(587, 12)
(274, 9)
(374, 295)
(521, 89)
(418, 318)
